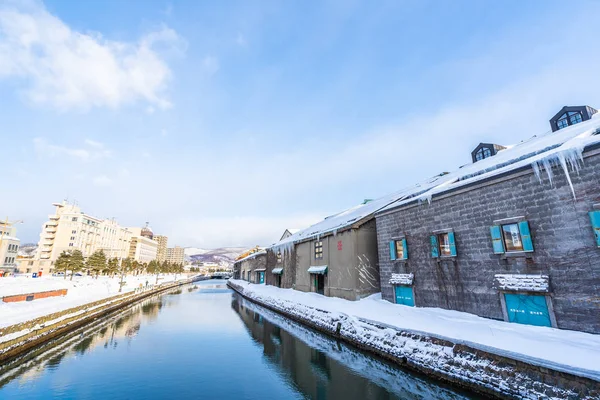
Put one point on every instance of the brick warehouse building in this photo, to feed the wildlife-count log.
(514, 236)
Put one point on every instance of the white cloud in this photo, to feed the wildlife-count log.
(210, 64)
(102, 180)
(67, 69)
(93, 150)
(164, 132)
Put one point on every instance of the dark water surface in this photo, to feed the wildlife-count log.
(207, 343)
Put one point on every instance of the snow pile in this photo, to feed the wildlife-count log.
(522, 283)
(402, 279)
(81, 290)
(576, 352)
(562, 148)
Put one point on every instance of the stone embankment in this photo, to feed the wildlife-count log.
(485, 372)
(19, 338)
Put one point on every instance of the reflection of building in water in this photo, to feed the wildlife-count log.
(323, 368)
(108, 333)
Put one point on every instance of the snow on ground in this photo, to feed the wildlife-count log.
(81, 290)
(571, 349)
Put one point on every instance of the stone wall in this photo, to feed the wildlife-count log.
(248, 266)
(564, 244)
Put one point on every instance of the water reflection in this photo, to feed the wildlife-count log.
(111, 331)
(323, 368)
(205, 343)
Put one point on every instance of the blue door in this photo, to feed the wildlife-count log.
(261, 277)
(527, 309)
(404, 295)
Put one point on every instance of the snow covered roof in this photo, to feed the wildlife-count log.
(277, 271)
(337, 222)
(562, 148)
(257, 253)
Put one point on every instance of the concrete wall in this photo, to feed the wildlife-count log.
(342, 263)
(368, 260)
(352, 260)
(304, 259)
(565, 247)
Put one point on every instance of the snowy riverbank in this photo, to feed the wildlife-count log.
(81, 290)
(569, 351)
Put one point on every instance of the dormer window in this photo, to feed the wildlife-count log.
(571, 115)
(569, 118)
(482, 153)
(485, 150)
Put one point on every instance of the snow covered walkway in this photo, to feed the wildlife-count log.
(81, 290)
(572, 351)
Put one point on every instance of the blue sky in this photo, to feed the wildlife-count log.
(223, 123)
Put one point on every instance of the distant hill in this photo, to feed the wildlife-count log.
(224, 256)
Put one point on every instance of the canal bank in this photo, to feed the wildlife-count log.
(20, 338)
(206, 341)
(480, 370)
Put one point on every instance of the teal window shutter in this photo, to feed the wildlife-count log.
(435, 249)
(525, 236)
(497, 242)
(392, 250)
(595, 218)
(452, 244)
(405, 249)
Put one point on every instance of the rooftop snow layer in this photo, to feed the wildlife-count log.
(563, 147)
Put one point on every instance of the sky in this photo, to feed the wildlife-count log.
(224, 123)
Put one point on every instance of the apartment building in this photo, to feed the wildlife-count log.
(176, 255)
(161, 253)
(69, 228)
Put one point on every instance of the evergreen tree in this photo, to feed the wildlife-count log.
(112, 267)
(77, 262)
(135, 266)
(96, 262)
(62, 262)
(126, 266)
(153, 267)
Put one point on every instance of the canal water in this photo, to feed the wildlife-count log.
(206, 342)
